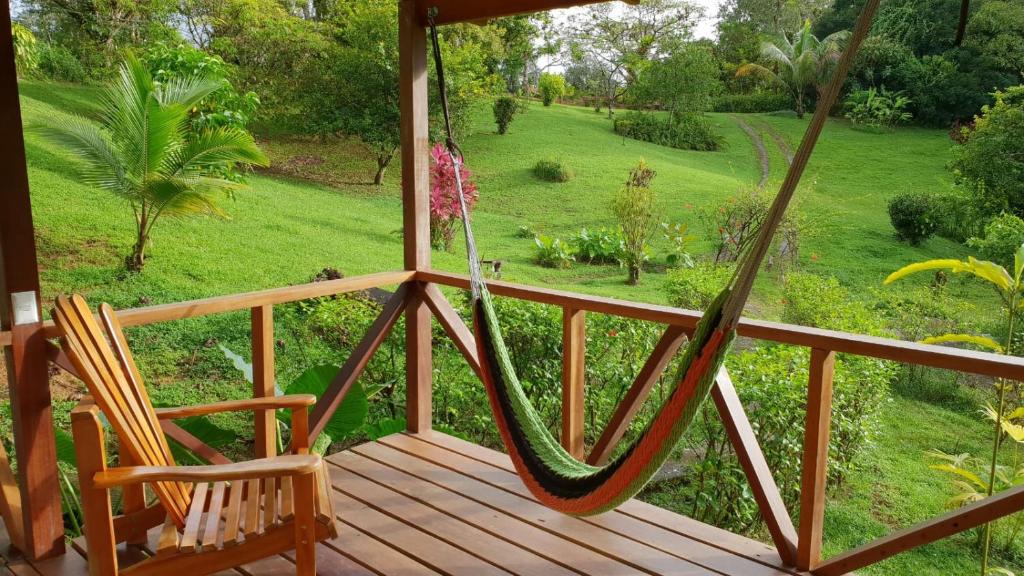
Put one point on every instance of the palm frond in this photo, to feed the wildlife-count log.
(185, 197)
(187, 91)
(215, 148)
(101, 161)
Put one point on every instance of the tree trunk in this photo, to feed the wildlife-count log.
(634, 275)
(800, 105)
(383, 161)
(137, 259)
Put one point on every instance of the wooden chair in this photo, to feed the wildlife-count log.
(214, 517)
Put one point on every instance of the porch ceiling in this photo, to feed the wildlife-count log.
(452, 11)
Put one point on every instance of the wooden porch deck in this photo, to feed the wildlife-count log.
(433, 504)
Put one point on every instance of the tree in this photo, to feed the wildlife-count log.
(144, 151)
(622, 39)
(769, 17)
(991, 159)
(683, 82)
(997, 31)
(800, 64)
(26, 50)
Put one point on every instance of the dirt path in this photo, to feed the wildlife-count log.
(780, 141)
(758, 142)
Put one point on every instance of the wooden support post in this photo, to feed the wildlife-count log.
(27, 371)
(263, 380)
(574, 346)
(815, 460)
(412, 79)
(133, 498)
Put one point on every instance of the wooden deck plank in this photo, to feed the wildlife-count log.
(447, 528)
(414, 542)
(368, 551)
(575, 530)
(666, 519)
(683, 548)
(330, 562)
(494, 522)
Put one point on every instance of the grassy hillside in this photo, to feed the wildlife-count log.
(282, 230)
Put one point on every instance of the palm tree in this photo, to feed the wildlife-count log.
(144, 151)
(801, 63)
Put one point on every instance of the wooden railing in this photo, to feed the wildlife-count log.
(798, 545)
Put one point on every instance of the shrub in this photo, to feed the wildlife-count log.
(1001, 239)
(913, 216)
(684, 131)
(752, 103)
(958, 215)
(634, 206)
(601, 246)
(552, 252)
(505, 108)
(551, 87)
(877, 108)
(695, 288)
(445, 207)
(551, 170)
(58, 63)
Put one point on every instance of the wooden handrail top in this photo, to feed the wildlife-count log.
(243, 301)
(958, 359)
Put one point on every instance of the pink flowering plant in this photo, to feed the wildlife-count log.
(445, 210)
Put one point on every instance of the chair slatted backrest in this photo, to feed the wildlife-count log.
(113, 380)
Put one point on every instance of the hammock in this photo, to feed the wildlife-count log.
(555, 477)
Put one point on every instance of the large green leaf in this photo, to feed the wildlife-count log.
(65, 447)
(350, 415)
(983, 269)
(983, 341)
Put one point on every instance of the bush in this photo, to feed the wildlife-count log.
(552, 252)
(695, 288)
(58, 63)
(733, 226)
(752, 103)
(877, 108)
(811, 300)
(599, 246)
(551, 171)
(958, 214)
(913, 216)
(684, 131)
(1001, 239)
(991, 161)
(505, 108)
(551, 88)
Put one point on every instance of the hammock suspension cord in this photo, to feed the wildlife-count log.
(553, 475)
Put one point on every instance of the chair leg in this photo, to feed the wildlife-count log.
(304, 488)
(99, 520)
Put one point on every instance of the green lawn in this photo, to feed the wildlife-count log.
(282, 230)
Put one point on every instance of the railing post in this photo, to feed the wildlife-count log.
(574, 346)
(20, 312)
(263, 380)
(412, 80)
(815, 459)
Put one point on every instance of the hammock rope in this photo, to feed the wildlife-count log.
(553, 475)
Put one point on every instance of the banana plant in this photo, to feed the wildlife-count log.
(1011, 292)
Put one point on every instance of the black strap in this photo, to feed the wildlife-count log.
(442, 86)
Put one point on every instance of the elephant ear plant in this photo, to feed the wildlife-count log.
(976, 486)
(144, 150)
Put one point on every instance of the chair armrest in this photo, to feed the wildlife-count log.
(293, 465)
(292, 401)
